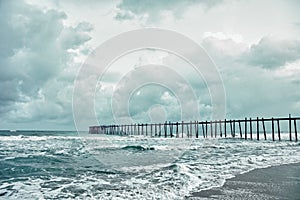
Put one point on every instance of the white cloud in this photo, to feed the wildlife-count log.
(221, 46)
(290, 70)
(223, 36)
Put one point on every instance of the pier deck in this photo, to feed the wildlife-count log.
(248, 128)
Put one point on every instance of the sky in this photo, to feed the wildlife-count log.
(44, 45)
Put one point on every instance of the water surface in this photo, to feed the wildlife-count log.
(55, 165)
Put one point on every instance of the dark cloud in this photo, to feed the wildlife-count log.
(128, 9)
(34, 51)
(254, 91)
(148, 96)
(271, 52)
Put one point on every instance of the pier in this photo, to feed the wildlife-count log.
(248, 129)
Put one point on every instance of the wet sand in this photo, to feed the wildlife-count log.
(279, 182)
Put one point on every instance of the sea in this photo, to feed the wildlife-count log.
(78, 165)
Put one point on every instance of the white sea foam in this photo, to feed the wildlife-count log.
(36, 138)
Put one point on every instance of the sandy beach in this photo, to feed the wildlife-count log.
(278, 182)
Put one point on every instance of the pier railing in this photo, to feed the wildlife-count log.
(248, 128)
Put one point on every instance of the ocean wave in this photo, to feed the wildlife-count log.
(41, 167)
(138, 148)
(37, 138)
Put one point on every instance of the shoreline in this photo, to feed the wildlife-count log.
(275, 182)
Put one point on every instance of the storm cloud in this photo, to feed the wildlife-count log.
(36, 49)
(43, 45)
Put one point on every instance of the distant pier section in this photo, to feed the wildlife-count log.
(248, 128)
(97, 129)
